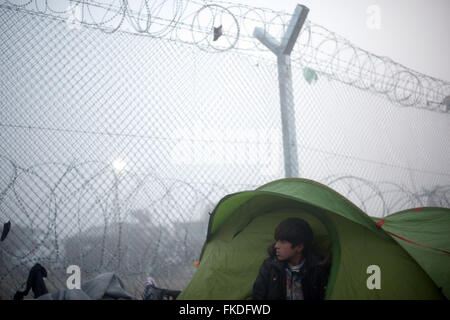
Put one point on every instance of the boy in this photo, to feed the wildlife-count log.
(292, 271)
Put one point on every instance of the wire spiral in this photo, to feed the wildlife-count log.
(194, 22)
(68, 218)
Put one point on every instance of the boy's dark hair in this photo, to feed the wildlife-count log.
(295, 230)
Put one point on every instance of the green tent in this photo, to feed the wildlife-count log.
(425, 234)
(242, 226)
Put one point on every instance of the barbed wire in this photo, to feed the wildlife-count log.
(194, 22)
(89, 213)
(387, 196)
(91, 216)
(70, 212)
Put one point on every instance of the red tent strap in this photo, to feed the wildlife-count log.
(417, 244)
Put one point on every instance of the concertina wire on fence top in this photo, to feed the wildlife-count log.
(123, 123)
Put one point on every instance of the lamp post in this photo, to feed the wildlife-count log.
(118, 167)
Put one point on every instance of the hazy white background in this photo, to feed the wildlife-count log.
(414, 33)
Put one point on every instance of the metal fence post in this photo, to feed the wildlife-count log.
(283, 52)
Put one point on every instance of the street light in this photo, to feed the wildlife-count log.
(118, 165)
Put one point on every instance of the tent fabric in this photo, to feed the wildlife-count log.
(106, 286)
(425, 234)
(242, 226)
(303, 190)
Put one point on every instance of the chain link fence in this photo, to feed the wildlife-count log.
(115, 145)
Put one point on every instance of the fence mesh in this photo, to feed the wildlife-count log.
(116, 145)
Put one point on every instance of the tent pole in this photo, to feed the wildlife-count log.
(283, 52)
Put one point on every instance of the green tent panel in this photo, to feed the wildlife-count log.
(425, 234)
(242, 226)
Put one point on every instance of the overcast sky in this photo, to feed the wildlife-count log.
(412, 32)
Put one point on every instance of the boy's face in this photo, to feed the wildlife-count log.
(285, 252)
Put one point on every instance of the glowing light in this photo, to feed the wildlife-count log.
(118, 165)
